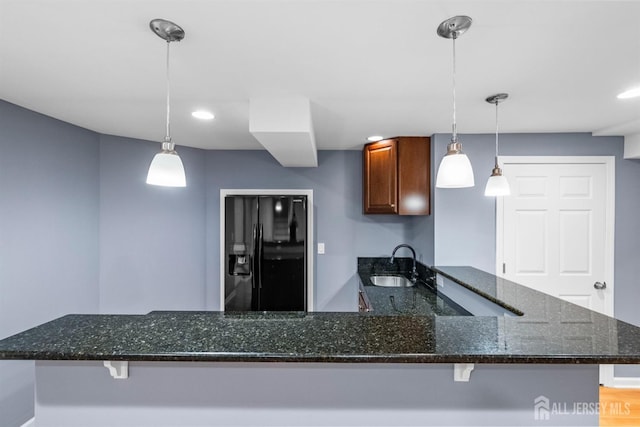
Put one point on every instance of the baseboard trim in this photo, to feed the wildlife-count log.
(626, 382)
(30, 423)
(608, 378)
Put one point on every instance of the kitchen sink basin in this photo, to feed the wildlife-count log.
(389, 281)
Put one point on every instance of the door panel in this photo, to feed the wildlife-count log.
(575, 187)
(530, 238)
(554, 230)
(581, 300)
(530, 187)
(239, 253)
(575, 242)
(380, 171)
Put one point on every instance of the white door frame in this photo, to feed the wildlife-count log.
(606, 371)
(262, 192)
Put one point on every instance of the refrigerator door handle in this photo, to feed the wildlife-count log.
(253, 264)
(260, 230)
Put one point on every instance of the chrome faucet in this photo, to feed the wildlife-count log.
(414, 272)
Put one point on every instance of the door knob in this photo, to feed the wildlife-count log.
(600, 285)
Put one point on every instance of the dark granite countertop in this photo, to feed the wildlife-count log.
(549, 331)
(419, 299)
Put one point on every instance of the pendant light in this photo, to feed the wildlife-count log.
(455, 169)
(497, 185)
(166, 168)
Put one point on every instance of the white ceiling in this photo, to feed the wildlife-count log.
(368, 67)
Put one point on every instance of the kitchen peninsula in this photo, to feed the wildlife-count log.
(550, 331)
(362, 363)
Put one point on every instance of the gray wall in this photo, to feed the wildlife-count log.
(465, 218)
(48, 235)
(159, 247)
(339, 222)
(152, 239)
(312, 394)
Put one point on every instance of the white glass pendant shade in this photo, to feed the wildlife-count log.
(166, 169)
(497, 185)
(455, 171)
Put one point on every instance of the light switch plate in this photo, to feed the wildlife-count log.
(321, 248)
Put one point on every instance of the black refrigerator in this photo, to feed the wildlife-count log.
(265, 253)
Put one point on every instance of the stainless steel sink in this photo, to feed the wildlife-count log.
(389, 281)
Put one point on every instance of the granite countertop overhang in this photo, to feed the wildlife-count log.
(549, 331)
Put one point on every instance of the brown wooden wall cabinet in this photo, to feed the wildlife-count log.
(396, 176)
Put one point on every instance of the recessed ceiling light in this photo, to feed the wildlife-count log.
(203, 115)
(631, 93)
(375, 138)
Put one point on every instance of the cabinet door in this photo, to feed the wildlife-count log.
(380, 177)
(414, 170)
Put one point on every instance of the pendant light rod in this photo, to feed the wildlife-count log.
(454, 127)
(453, 28)
(167, 137)
(170, 32)
(497, 99)
(497, 131)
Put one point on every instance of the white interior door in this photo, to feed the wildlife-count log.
(555, 231)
